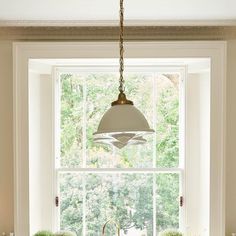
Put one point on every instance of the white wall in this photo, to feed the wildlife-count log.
(40, 143)
(204, 94)
(197, 153)
(35, 152)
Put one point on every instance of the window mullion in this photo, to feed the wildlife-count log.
(57, 142)
(121, 170)
(84, 203)
(154, 120)
(154, 103)
(57, 117)
(84, 133)
(182, 134)
(84, 138)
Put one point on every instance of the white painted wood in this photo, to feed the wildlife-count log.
(56, 123)
(182, 145)
(200, 49)
(204, 131)
(35, 170)
(198, 153)
(120, 170)
(41, 161)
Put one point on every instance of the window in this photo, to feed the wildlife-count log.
(137, 186)
(34, 120)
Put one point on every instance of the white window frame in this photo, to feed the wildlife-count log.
(155, 70)
(215, 50)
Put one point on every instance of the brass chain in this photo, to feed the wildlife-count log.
(121, 81)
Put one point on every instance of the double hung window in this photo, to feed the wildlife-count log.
(140, 187)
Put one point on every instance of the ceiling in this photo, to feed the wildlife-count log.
(105, 11)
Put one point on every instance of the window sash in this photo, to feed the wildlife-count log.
(120, 170)
(155, 70)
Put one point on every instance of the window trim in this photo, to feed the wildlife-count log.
(215, 50)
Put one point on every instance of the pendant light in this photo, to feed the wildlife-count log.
(123, 124)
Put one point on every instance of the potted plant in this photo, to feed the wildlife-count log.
(44, 233)
(170, 232)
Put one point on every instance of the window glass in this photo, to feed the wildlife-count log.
(71, 120)
(71, 202)
(138, 186)
(125, 198)
(167, 121)
(101, 91)
(167, 201)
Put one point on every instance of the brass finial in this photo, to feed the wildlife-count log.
(122, 100)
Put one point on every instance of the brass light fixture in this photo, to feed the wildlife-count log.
(123, 124)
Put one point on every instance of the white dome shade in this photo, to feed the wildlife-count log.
(123, 119)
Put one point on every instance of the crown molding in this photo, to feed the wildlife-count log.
(106, 33)
(88, 23)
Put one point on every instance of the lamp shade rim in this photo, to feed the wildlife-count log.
(111, 132)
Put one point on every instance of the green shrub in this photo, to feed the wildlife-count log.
(64, 233)
(44, 233)
(170, 232)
